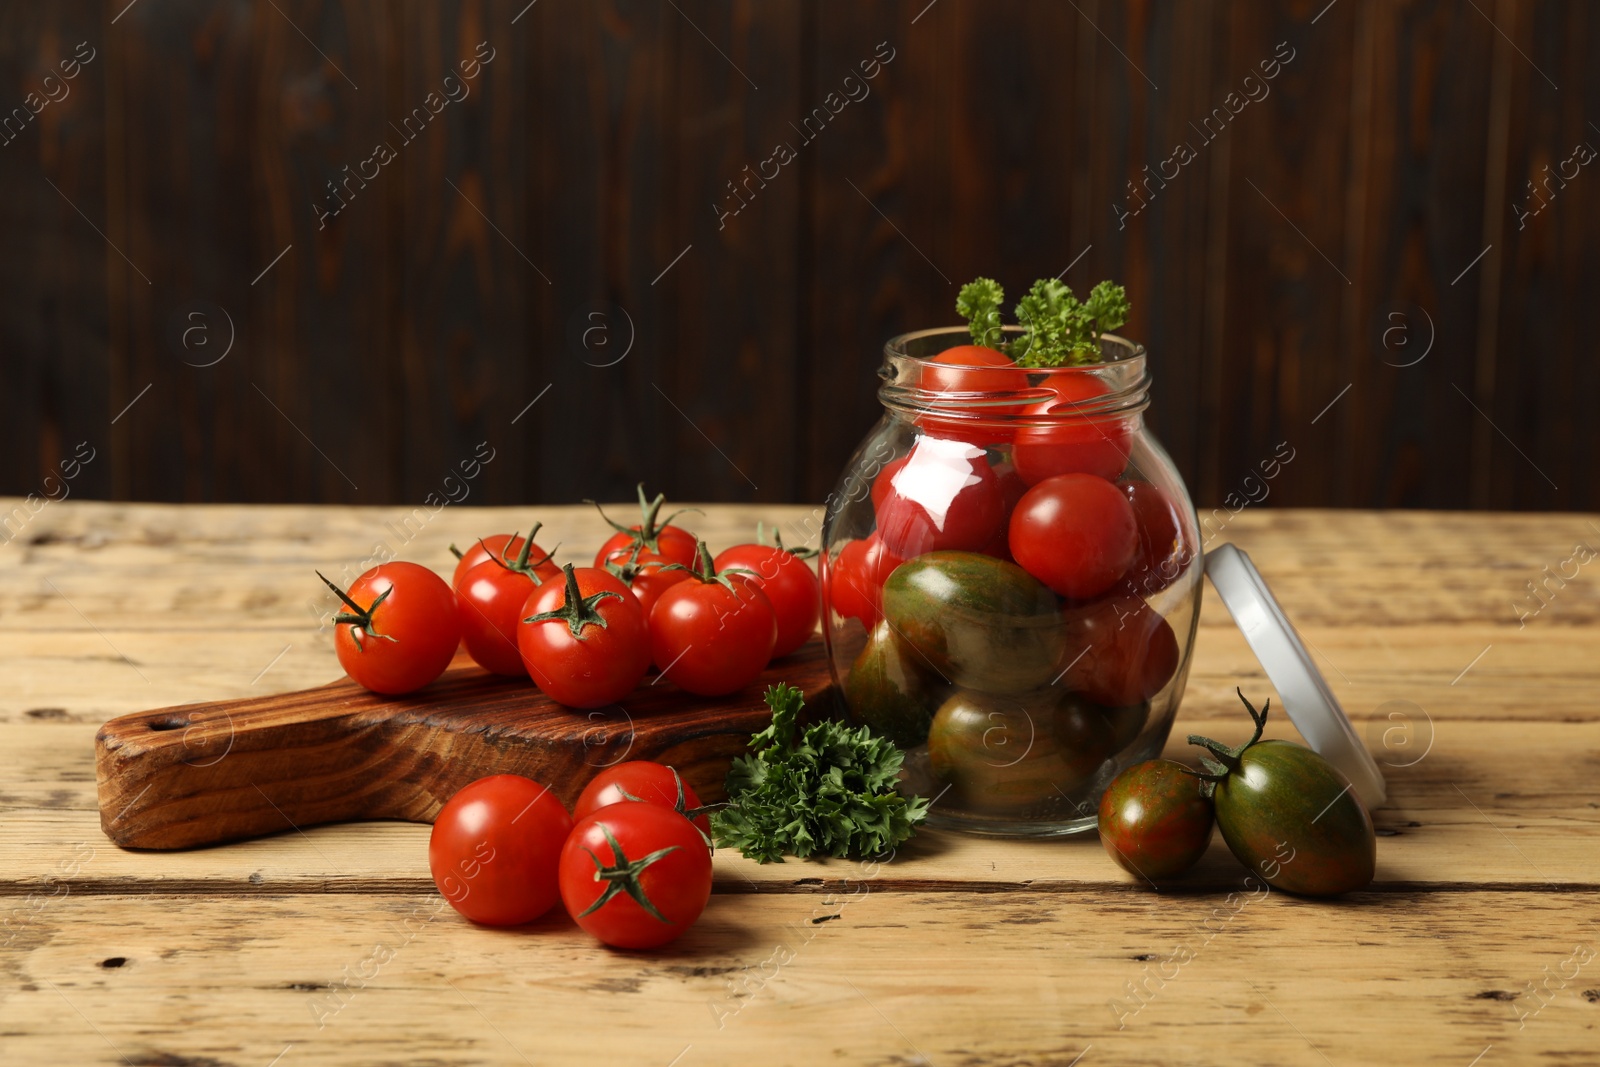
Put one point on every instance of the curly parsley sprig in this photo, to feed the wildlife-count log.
(831, 793)
(1058, 329)
(979, 303)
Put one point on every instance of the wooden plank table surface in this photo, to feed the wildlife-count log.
(1476, 945)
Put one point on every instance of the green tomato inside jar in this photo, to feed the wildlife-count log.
(978, 621)
(1018, 754)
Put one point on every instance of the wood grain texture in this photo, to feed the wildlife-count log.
(1547, 262)
(459, 216)
(860, 164)
(1418, 146)
(112, 608)
(734, 359)
(960, 950)
(532, 233)
(600, 82)
(271, 119)
(1288, 251)
(202, 774)
(1432, 833)
(54, 310)
(866, 975)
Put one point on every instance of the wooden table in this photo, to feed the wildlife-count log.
(1475, 945)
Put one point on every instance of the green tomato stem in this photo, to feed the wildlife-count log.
(521, 564)
(358, 618)
(577, 611)
(649, 532)
(1227, 759)
(623, 877)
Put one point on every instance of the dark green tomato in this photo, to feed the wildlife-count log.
(1009, 754)
(1154, 821)
(1127, 723)
(891, 691)
(1290, 816)
(979, 621)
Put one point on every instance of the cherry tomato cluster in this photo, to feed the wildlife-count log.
(1285, 812)
(587, 636)
(1004, 587)
(1056, 497)
(631, 862)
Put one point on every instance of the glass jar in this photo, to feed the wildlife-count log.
(1017, 692)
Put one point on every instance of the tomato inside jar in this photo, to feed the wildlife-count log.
(1011, 579)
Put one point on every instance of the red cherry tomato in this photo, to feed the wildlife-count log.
(399, 629)
(1075, 533)
(647, 581)
(1119, 651)
(789, 583)
(972, 369)
(583, 640)
(1082, 445)
(675, 545)
(635, 875)
(854, 579)
(489, 602)
(713, 634)
(495, 545)
(495, 850)
(641, 780)
(943, 495)
(1165, 548)
(1012, 488)
(506, 548)
(650, 540)
(883, 484)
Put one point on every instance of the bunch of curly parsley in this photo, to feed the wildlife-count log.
(831, 793)
(1058, 329)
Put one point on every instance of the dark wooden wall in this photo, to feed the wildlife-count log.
(566, 211)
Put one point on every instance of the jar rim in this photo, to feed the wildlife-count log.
(1115, 388)
(1126, 350)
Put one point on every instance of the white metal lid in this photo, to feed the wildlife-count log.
(1311, 705)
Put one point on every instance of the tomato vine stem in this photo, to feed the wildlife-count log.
(648, 532)
(777, 542)
(1227, 759)
(359, 618)
(706, 571)
(577, 610)
(521, 564)
(681, 805)
(623, 876)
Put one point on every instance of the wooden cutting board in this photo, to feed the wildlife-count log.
(200, 774)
